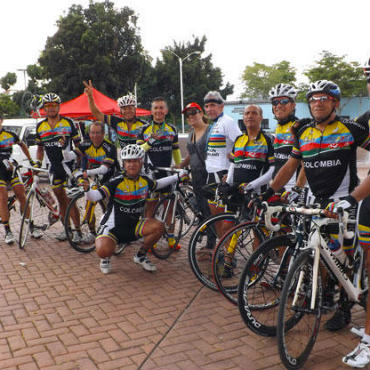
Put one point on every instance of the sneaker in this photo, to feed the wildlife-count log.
(88, 238)
(36, 234)
(62, 236)
(341, 318)
(9, 237)
(76, 237)
(105, 265)
(359, 357)
(144, 262)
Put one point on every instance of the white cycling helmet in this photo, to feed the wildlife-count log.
(51, 98)
(126, 100)
(367, 69)
(283, 90)
(323, 86)
(132, 151)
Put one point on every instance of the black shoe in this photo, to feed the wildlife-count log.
(341, 318)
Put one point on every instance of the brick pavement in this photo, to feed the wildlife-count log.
(57, 311)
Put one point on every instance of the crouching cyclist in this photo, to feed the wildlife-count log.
(123, 221)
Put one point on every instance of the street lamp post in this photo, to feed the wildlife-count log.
(181, 82)
(24, 75)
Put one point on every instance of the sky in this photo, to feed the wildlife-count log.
(239, 33)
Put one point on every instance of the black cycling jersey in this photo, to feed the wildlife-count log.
(329, 157)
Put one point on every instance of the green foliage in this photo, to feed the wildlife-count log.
(8, 80)
(98, 43)
(8, 108)
(348, 75)
(260, 78)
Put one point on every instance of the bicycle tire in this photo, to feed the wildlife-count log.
(186, 210)
(87, 228)
(202, 245)
(162, 249)
(241, 239)
(261, 283)
(26, 225)
(295, 342)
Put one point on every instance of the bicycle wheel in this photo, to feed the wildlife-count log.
(186, 209)
(202, 245)
(168, 243)
(261, 283)
(234, 248)
(295, 342)
(27, 219)
(90, 215)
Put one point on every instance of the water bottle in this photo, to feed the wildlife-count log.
(338, 251)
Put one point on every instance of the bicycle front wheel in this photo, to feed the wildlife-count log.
(88, 214)
(261, 283)
(202, 245)
(295, 342)
(165, 213)
(27, 219)
(232, 254)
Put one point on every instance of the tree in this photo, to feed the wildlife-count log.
(8, 80)
(98, 43)
(348, 75)
(7, 106)
(260, 78)
(199, 75)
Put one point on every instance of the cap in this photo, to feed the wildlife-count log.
(192, 105)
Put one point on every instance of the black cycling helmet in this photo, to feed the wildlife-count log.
(324, 86)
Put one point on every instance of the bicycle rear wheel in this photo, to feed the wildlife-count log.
(261, 283)
(295, 342)
(27, 219)
(202, 245)
(89, 214)
(234, 248)
(169, 241)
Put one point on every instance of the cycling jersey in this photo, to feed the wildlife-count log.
(7, 140)
(364, 118)
(126, 197)
(49, 138)
(162, 150)
(329, 157)
(283, 144)
(251, 158)
(221, 137)
(105, 154)
(125, 134)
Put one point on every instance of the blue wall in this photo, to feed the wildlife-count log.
(351, 107)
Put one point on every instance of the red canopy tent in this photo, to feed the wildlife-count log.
(79, 107)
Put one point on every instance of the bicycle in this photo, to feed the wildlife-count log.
(301, 303)
(178, 213)
(41, 209)
(205, 238)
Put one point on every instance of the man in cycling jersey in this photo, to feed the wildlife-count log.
(127, 127)
(160, 140)
(327, 146)
(123, 222)
(11, 180)
(98, 157)
(48, 134)
(360, 356)
(222, 134)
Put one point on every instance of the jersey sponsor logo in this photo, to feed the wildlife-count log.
(282, 156)
(161, 148)
(323, 164)
(129, 210)
(52, 143)
(246, 166)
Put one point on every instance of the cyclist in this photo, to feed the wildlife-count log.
(327, 146)
(222, 134)
(360, 356)
(127, 127)
(98, 157)
(123, 222)
(7, 140)
(48, 134)
(160, 140)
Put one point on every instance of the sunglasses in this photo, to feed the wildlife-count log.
(283, 101)
(321, 99)
(191, 113)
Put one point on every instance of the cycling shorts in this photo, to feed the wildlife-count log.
(58, 175)
(6, 179)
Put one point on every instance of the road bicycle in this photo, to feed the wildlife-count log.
(301, 303)
(178, 212)
(41, 209)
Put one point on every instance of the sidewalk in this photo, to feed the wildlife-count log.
(57, 311)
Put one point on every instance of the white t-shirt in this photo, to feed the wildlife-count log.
(221, 138)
